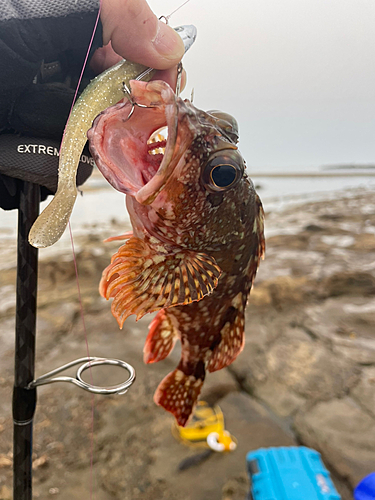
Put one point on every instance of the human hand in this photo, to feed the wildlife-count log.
(132, 31)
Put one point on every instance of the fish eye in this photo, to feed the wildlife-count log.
(223, 175)
(223, 170)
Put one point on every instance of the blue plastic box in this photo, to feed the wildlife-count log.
(289, 473)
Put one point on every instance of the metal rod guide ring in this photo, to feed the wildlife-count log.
(88, 362)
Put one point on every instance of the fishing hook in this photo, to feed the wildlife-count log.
(179, 78)
(128, 93)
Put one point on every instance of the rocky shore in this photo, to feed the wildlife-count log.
(306, 375)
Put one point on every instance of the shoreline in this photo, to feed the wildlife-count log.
(312, 174)
(309, 361)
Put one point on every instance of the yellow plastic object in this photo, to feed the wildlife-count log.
(206, 430)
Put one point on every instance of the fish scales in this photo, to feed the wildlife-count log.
(197, 234)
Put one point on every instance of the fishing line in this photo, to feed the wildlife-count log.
(178, 8)
(90, 370)
(76, 268)
(72, 242)
(83, 67)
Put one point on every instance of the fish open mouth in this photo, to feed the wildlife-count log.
(137, 150)
(157, 141)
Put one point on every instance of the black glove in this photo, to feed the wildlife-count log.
(40, 62)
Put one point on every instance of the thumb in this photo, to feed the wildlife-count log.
(137, 34)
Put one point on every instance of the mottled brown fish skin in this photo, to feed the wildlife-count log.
(211, 330)
(193, 257)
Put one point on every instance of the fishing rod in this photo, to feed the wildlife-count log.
(39, 172)
(25, 384)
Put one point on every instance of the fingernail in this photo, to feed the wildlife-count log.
(168, 43)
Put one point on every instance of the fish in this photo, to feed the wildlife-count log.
(106, 89)
(197, 238)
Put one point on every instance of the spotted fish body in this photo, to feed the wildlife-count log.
(197, 234)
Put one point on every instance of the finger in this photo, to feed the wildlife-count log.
(137, 34)
(170, 76)
(104, 58)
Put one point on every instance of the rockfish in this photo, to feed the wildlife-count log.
(197, 233)
(103, 91)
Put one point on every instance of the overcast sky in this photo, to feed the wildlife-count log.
(298, 75)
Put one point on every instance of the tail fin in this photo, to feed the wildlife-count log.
(161, 338)
(178, 393)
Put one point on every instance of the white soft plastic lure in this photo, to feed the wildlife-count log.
(104, 91)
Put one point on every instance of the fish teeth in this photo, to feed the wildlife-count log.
(157, 151)
(159, 136)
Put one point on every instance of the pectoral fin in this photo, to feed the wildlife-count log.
(142, 279)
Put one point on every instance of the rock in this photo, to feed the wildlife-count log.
(349, 283)
(5, 461)
(5, 493)
(310, 337)
(250, 367)
(364, 391)
(252, 425)
(221, 475)
(279, 398)
(306, 368)
(338, 240)
(57, 318)
(260, 297)
(313, 228)
(236, 488)
(347, 324)
(295, 241)
(217, 385)
(343, 433)
(364, 242)
(7, 332)
(298, 363)
(7, 299)
(287, 290)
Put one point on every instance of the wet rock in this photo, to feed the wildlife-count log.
(279, 398)
(253, 425)
(313, 228)
(310, 344)
(236, 488)
(294, 241)
(338, 240)
(5, 493)
(284, 291)
(349, 283)
(250, 367)
(364, 391)
(347, 325)
(301, 365)
(306, 368)
(343, 433)
(220, 474)
(7, 299)
(364, 242)
(217, 385)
